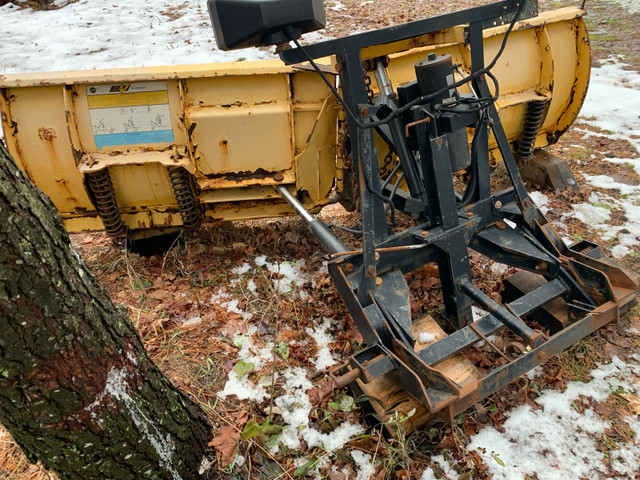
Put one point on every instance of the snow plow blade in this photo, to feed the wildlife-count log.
(146, 150)
(415, 129)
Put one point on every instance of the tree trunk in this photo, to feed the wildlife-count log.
(77, 389)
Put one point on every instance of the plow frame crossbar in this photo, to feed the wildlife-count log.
(505, 226)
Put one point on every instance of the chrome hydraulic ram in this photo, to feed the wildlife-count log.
(319, 229)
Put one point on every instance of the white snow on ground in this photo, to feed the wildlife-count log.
(90, 34)
(289, 274)
(632, 6)
(612, 104)
(226, 301)
(292, 399)
(363, 463)
(449, 472)
(541, 200)
(323, 339)
(613, 101)
(558, 442)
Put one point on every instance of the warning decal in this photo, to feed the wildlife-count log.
(130, 114)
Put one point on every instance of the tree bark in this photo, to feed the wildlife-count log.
(77, 389)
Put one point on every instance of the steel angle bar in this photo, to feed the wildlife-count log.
(503, 375)
(489, 325)
(506, 317)
(498, 11)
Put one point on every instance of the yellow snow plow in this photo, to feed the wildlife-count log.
(149, 149)
(403, 120)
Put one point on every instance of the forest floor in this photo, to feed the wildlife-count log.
(243, 317)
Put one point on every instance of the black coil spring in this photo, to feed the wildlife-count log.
(181, 185)
(105, 202)
(532, 123)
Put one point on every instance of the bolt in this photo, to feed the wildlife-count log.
(469, 214)
(338, 67)
(349, 267)
(498, 205)
(541, 266)
(371, 270)
(501, 225)
(278, 177)
(424, 233)
(365, 112)
(527, 203)
(377, 256)
(378, 281)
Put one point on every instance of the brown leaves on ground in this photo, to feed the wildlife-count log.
(634, 402)
(226, 444)
(227, 440)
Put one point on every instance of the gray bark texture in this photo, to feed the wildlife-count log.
(77, 390)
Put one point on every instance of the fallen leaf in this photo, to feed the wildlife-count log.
(243, 369)
(226, 443)
(634, 402)
(241, 418)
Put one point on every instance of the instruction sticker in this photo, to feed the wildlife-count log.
(130, 113)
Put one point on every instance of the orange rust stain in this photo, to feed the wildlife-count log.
(224, 162)
(47, 134)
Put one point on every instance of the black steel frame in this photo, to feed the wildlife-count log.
(372, 283)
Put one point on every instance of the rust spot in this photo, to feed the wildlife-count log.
(47, 134)
(224, 146)
(192, 127)
(77, 155)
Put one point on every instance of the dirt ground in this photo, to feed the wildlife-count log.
(159, 292)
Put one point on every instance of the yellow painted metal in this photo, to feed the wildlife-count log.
(238, 129)
(546, 57)
(241, 128)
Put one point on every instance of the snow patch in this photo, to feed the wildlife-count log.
(363, 464)
(541, 200)
(426, 337)
(557, 442)
(322, 338)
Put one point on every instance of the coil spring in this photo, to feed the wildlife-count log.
(532, 123)
(183, 192)
(105, 202)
